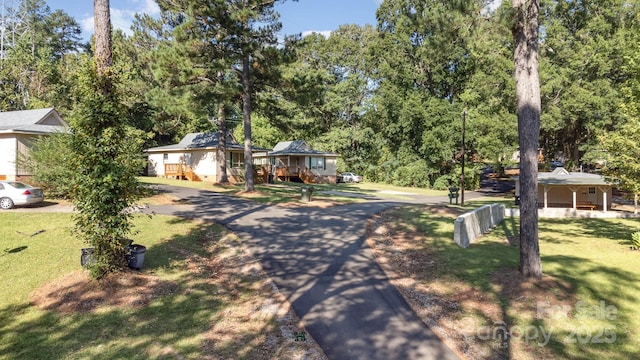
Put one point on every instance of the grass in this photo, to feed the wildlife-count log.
(282, 192)
(587, 301)
(207, 308)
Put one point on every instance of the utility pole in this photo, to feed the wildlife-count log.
(464, 120)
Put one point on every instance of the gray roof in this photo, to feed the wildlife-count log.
(39, 121)
(560, 176)
(296, 147)
(203, 140)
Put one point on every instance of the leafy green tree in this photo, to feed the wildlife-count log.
(622, 151)
(582, 68)
(424, 66)
(492, 134)
(105, 157)
(50, 162)
(32, 64)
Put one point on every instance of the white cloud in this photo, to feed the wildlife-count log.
(87, 24)
(150, 7)
(121, 19)
(325, 33)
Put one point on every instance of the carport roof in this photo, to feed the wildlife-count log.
(560, 176)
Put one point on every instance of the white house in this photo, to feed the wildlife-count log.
(296, 160)
(18, 130)
(194, 158)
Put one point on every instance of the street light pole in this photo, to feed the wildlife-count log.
(464, 116)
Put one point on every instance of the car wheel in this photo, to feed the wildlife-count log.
(6, 204)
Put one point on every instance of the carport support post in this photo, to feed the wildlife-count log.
(546, 191)
(604, 198)
(575, 201)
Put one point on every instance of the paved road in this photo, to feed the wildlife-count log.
(321, 263)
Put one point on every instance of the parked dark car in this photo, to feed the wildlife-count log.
(14, 193)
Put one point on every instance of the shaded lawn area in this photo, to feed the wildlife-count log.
(200, 295)
(281, 192)
(287, 192)
(585, 307)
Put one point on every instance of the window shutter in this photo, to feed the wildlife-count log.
(230, 159)
(309, 162)
(324, 163)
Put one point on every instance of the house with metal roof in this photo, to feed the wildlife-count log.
(18, 130)
(194, 158)
(576, 190)
(298, 161)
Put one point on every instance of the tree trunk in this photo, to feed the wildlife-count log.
(528, 109)
(221, 156)
(102, 35)
(246, 114)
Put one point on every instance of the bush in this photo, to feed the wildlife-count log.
(105, 158)
(50, 164)
(415, 174)
(635, 240)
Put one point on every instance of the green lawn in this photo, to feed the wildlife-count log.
(290, 191)
(209, 311)
(596, 316)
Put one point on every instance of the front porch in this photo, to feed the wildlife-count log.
(297, 173)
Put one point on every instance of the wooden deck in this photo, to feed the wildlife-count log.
(180, 172)
(287, 173)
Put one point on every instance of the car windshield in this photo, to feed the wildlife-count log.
(18, 185)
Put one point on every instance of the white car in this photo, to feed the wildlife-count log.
(351, 177)
(17, 193)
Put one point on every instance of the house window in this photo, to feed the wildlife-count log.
(592, 190)
(165, 157)
(236, 160)
(317, 163)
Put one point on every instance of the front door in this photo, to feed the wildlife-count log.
(592, 195)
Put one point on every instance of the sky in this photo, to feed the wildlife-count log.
(303, 16)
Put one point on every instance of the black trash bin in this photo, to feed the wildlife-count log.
(136, 256)
(86, 258)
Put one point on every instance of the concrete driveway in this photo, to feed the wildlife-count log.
(321, 263)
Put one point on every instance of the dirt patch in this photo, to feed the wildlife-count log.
(455, 311)
(313, 203)
(164, 199)
(77, 292)
(250, 194)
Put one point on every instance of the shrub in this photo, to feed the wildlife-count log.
(50, 164)
(635, 240)
(415, 174)
(106, 157)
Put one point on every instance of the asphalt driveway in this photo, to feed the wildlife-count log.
(321, 263)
